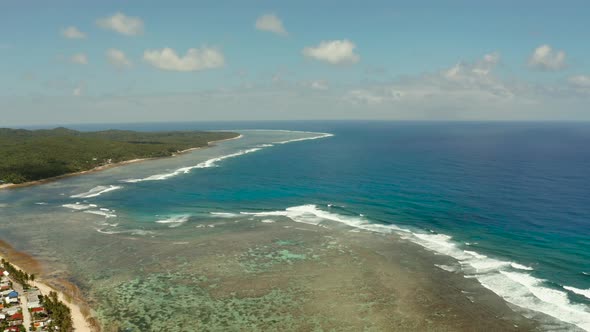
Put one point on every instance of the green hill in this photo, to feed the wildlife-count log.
(29, 155)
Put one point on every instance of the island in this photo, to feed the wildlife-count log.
(34, 155)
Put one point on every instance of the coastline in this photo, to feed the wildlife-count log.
(80, 320)
(108, 166)
(81, 312)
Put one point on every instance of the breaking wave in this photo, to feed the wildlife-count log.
(174, 221)
(505, 278)
(323, 135)
(96, 191)
(185, 170)
(583, 292)
(213, 161)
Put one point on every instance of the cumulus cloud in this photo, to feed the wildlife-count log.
(580, 81)
(333, 52)
(580, 84)
(118, 59)
(473, 81)
(79, 89)
(194, 60)
(119, 22)
(80, 59)
(72, 32)
(271, 23)
(545, 58)
(319, 85)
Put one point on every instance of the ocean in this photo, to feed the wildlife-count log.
(508, 202)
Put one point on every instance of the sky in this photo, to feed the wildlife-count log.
(71, 62)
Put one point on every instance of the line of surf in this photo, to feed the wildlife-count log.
(510, 280)
(213, 162)
(185, 170)
(96, 191)
(91, 209)
(174, 221)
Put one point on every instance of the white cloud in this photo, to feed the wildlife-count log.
(270, 22)
(119, 22)
(194, 59)
(79, 89)
(80, 59)
(72, 32)
(545, 58)
(319, 85)
(333, 52)
(580, 84)
(375, 95)
(465, 82)
(118, 59)
(580, 81)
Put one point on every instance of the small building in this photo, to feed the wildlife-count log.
(5, 293)
(13, 294)
(11, 311)
(37, 309)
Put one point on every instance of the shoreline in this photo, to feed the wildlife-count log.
(108, 166)
(80, 321)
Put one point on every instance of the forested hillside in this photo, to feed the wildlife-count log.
(29, 155)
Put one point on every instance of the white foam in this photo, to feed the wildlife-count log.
(185, 170)
(504, 278)
(79, 206)
(224, 214)
(41, 203)
(521, 267)
(447, 268)
(130, 231)
(267, 221)
(106, 214)
(96, 191)
(174, 221)
(583, 292)
(323, 135)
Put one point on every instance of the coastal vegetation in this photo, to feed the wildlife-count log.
(19, 276)
(61, 315)
(30, 155)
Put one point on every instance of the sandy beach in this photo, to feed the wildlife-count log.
(80, 321)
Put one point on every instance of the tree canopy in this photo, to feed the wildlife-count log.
(30, 155)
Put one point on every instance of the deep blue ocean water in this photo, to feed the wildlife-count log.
(510, 201)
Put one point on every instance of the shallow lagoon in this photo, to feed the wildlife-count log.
(178, 253)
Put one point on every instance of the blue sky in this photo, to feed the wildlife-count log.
(428, 60)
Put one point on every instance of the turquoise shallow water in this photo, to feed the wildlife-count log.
(509, 201)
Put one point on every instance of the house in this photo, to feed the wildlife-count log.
(5, 293)
(16, 319)
(33, 298)
(11, 311)
(38, 310)
(17, 316)
(39, 324)
(13, 294)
